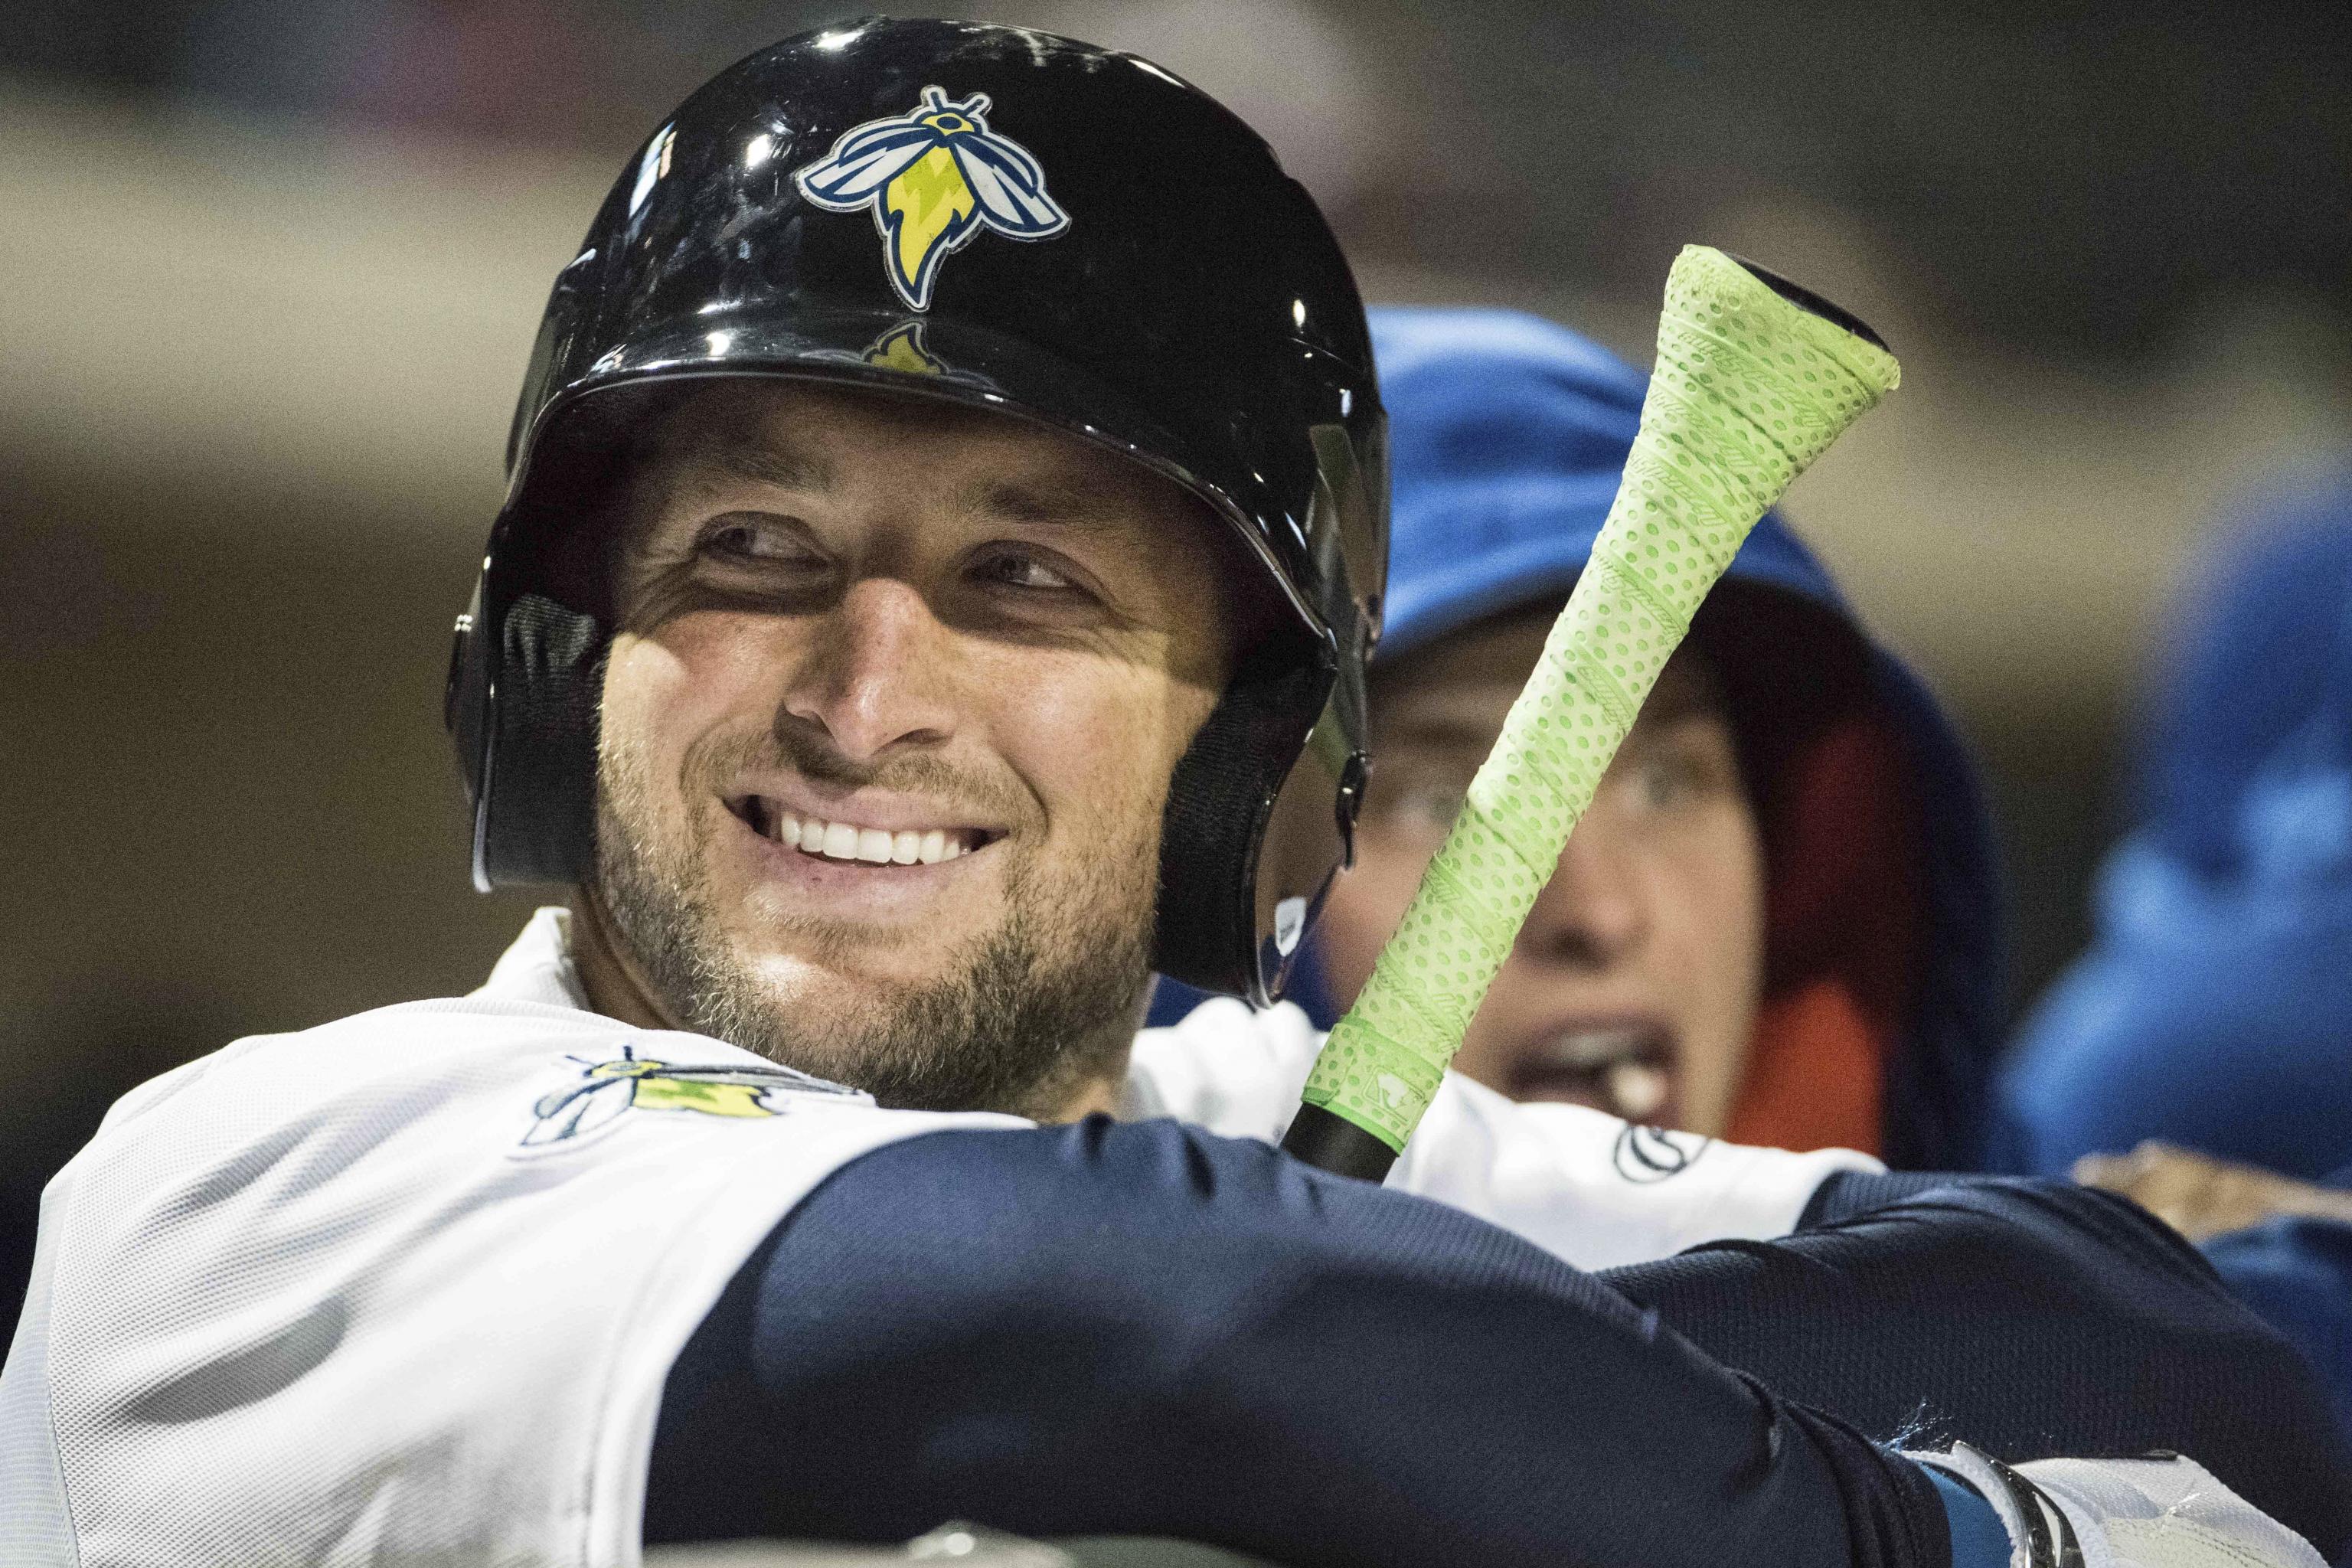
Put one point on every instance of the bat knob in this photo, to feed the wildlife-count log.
(1337, 1144)
(1805, 299)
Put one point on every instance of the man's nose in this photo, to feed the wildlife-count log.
(876, 677)
(1593, 911)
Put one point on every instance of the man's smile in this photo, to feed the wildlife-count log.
(845, 839)
(857, 872)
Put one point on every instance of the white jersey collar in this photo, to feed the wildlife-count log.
(537, 967)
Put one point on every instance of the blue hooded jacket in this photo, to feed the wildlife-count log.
(2213, 1008)
(1507, 438)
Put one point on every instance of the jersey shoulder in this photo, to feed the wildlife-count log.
(1226, 1067)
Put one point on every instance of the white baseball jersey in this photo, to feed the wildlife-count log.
(406, 1287)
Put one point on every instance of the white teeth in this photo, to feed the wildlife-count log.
(1590, 1048)
(1637, 1087)
(1622, 1060)
(873, 846)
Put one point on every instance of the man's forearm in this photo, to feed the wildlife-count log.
(1147, 1329)
(2030, 1318)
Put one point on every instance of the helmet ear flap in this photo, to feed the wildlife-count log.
(527, 676)
(464, 706)
(1222, 925)
(537, 715)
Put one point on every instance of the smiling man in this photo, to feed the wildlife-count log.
(944, 539)
(895, 698)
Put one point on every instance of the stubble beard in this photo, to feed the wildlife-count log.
(1019, 1019)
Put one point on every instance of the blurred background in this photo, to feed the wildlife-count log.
(270, 270)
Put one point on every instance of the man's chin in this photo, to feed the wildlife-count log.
(983, 1001)
(831, 990)
(778, 936)
(813, 1013)
(902, 937)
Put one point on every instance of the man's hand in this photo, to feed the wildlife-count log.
(2201, 1196)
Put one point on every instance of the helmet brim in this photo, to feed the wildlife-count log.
(920, 358)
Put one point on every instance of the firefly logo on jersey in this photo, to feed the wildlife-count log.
(596, 1093)
(933, 178)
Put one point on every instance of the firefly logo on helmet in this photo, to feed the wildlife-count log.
(933, 178)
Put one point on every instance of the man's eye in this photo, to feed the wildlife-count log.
(751, 539)
(1676, 776)
(1663, 782)
(1412, 797)
(1432, 803)
(1018, 569)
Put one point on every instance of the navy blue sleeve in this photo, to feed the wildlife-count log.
(2296, 1275)
(1146, 1330)
(1846, 1193)
(2030, 1318)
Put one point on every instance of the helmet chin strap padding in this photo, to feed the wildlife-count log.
(1214, 831)
(535, 813)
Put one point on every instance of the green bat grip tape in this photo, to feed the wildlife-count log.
(1749, 389)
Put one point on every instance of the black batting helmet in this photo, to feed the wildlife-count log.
(1006, 219)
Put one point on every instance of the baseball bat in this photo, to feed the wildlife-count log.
(1755, 377)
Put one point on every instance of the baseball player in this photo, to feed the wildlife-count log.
(944, 538)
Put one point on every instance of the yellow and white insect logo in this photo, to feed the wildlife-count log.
(599, 1091)
(933, 178)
